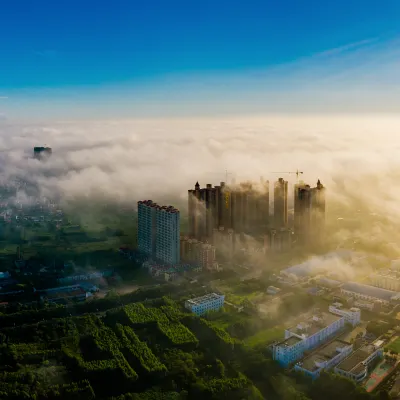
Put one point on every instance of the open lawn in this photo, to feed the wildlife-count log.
(266, 336)
(237, 299)
(395, 345)
(225, 319)
(7, 248)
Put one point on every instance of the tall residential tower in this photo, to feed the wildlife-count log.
(168, 235)
(159, 231)
(280, 203)
(309, 211)
(146, 233)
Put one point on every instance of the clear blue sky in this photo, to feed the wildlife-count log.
(71, 50)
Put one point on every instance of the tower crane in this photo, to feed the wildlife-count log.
(297, 172)
(227, 174)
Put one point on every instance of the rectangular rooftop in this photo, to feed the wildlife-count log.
(314, 324)
(290, 341)
(353, 363)
(204, 299)
(371, 291)
(322, 354)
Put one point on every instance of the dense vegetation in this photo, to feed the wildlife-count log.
(143, 349)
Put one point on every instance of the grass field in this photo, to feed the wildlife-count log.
(395, 345)
(266, 336)
(238, 299)
(224, 319)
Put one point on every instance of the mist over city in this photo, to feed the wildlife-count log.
(126, 161)
(200, 200)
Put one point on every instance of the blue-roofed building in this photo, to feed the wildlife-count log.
(369, 293)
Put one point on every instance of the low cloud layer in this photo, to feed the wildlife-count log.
(355, 157)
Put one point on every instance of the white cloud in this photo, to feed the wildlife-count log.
(165, 155)
(355, 157)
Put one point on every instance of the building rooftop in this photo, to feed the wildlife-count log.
(204, 299)
(340, 306)
(314, 290)
(354, 362)
(326, 282)
(152, 204)
(323, 354)
(314, 324)
(290, 341)
(41, 148)
(368, 290)
(391, 274)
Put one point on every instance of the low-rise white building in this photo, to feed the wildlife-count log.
(305, 336)
(355, 366)
(365, 305)
(351, 315)
(388, 279)
(202, 305)
(369, 293)
(273, 290)
(324, 358)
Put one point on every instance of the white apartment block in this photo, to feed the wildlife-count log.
(288, 351)
(202, 305)
(366, 305)
(351, 315)
(306, 336)
(324, 358)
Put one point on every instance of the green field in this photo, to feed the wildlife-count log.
(395, 345)
(135, 349)
(266, 336)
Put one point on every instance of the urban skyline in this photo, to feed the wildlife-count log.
(245, 207)
(220, 217)
(142, 256)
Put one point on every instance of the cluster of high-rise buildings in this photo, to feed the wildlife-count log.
(219, 215)
(245, 209)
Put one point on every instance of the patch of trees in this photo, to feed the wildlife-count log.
(34, 391)
(139, 350)
(176, 332)
(121, 357)
(378, 328)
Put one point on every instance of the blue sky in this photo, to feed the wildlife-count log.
(121, 57)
